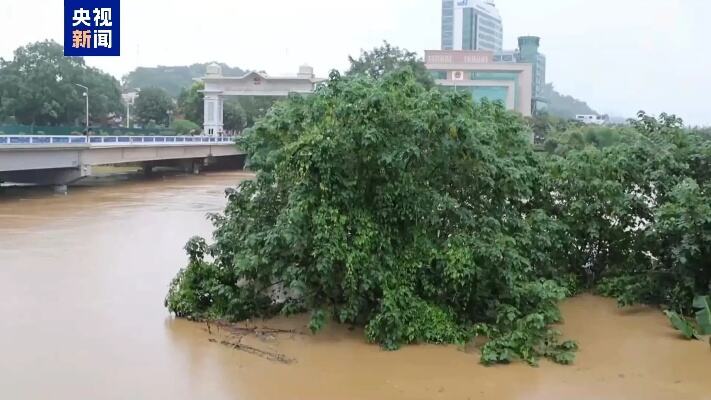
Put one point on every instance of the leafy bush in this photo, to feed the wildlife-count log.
(185, 127)
(702, 305)
(637, 214)
(381, 203)
(423, 217)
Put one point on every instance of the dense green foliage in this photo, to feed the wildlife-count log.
(38, 87)
(545, 125)
(424, 217)
(566, 137)
(244, 111)
(185, 127)
(153, 106)
(636, 207)
(172, 79)
(384, 204)
(387, 58)
(702, 306)
(191, 103)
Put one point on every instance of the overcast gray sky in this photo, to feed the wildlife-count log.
(618, 55)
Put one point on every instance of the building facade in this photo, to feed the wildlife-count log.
(477, 73)
(528, 53)
(476, 25)
(471, 25)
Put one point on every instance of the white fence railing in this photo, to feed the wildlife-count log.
(113, 140)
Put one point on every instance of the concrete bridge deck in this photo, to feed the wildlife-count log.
(59, 160)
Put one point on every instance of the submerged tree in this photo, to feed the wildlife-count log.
(424, 217)
(635, 208)
(380, 203)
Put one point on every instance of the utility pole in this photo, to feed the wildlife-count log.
(86, 95)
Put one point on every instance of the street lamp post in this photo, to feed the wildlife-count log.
(129, 99)
(86, 95)
(170, 113)
(128, 114)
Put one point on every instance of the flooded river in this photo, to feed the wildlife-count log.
(82, 282)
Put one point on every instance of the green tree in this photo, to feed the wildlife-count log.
(234, 116)
(381, 203)
(255, 107)
(633, 204)
(544, 126)
(185, 127)
(577, 137)
(153, 104)
(387, 58)
(191, 103)
(38, 86)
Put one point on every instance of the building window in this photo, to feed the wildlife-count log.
(439, 74)
(490, 93)
(500, 76)
(468, 29)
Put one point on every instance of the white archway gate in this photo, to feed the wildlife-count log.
(217, 87)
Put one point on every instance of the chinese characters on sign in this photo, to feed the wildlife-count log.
(91, 28)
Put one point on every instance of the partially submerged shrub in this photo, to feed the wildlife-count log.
(384, 204)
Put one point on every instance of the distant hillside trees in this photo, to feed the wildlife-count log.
(172, 79)
(563, 106)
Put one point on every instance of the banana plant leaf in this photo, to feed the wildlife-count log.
(702, 304)
(681, 325)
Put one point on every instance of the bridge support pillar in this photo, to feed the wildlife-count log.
(147, 168)
(196, 167)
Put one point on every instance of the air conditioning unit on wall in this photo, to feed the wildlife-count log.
(458, 75)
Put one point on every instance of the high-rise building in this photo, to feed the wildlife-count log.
(528, 52)
(471, 25)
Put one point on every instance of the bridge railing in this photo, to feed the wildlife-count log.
(112, 140)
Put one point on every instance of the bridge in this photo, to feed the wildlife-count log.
(61, 160)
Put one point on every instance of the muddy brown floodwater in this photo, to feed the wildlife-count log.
(82, 282)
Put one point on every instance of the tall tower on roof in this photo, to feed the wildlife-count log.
(471, 25)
